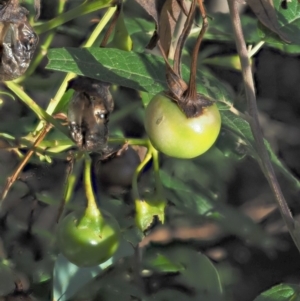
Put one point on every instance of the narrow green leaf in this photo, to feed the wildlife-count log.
(281, 292)
(161, 263)
(80, 10)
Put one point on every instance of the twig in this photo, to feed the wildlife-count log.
(265, 162)
(112, 25)
(15, 175)
(192, 90)
(182, 38)
(67, 193)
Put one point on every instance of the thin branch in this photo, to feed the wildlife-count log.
(15, 175)
(182, 38)
(112, 25)
(192, 90)
(265, 162)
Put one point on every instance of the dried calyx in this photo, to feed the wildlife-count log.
(185, 95)
(88, 114)
(18, 41)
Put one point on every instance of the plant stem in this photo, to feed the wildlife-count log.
(112, 25)
(15, 175)
(158, 184)
(80, 10)
(192, 89)
(51, 148)
(105, 19)
(91, 40)
(35, 107)
(254, 50)
(72, 173)
(133, 141)
(92, 207)
(264, 161)
(135, 190)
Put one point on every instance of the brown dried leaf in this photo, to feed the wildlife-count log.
(265, 12)
(167, 22)
(152, 7)
(165, 14)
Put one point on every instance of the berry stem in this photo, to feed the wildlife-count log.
(192, 89)
(130, 141)
(158, 184)
(92, 207)
(72, 173)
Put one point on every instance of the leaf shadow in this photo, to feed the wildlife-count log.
(89, 66)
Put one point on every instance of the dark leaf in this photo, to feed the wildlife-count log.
(281, 292)
(189, 189)
(265, 12)
(152, 7)
(167, 22)
(289, 23)
(242, 128)
(138, 71)
(196, 272)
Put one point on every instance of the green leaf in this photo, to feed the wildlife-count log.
(265, 12)
(121, 38)
(220, 28)
(64, 102)
(241, 127)
(281, 292)
(7, 279)
(116, 284)
(146, 210)
(68, 278)
(192, 194)
(135, 25)
(143, 72)
(140, 31)
(225, 61)
(161, 263)
(196, 272)
(147, 73)
(171, 294)
(289, 24)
